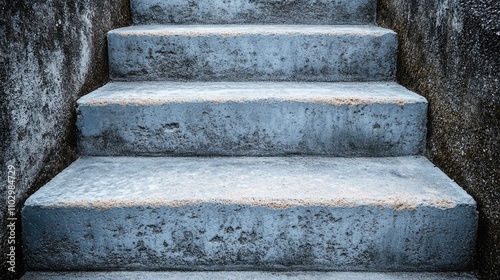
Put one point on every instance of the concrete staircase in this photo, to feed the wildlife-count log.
(251, 135)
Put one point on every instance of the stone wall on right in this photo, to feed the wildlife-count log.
(449, 52)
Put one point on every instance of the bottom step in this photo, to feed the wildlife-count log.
(301, 213)
(229, 275)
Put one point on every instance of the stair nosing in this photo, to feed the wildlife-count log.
(249, 29)
(157, 92)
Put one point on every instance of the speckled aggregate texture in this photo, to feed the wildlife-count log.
(253, 11)
(291, 213)
(165, 118)
(51, 53)
(251, 213)
(228, 275)
(449, 52)
(252, 53)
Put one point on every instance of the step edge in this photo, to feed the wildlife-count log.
(249, 29)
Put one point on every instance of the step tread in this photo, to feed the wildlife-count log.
(239, 30)
(230, 275)
(164, 92)
(400, 183)
(282, 213)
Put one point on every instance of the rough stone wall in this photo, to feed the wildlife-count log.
(449, 52)
(52, 52)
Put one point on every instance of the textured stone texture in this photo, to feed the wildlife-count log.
(254, 213)
(266, 118)
(254, 11)
(449, 51)
(252, 53)
(52, 53)
(246, 276)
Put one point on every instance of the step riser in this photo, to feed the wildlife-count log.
(253, 57)
(253, 128)
(249, 11)
(218, 236)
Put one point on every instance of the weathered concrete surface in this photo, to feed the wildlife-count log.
(265, 118)
(229, 275)
(254, 213)
(254, 11)
(450, 53)
(52, 53)
(252, 52)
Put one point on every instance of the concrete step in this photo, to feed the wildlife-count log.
(252, 53)
(253, 118)
(253, 11)
(229, 275)
(312, 213)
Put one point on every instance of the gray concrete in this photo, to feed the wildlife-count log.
(309, 213)
(228, 275)
(254, 11)
(252, 52)
(266, 118)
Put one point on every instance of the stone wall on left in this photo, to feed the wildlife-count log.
(51, 53)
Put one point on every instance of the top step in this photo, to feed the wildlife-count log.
(253, 11)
